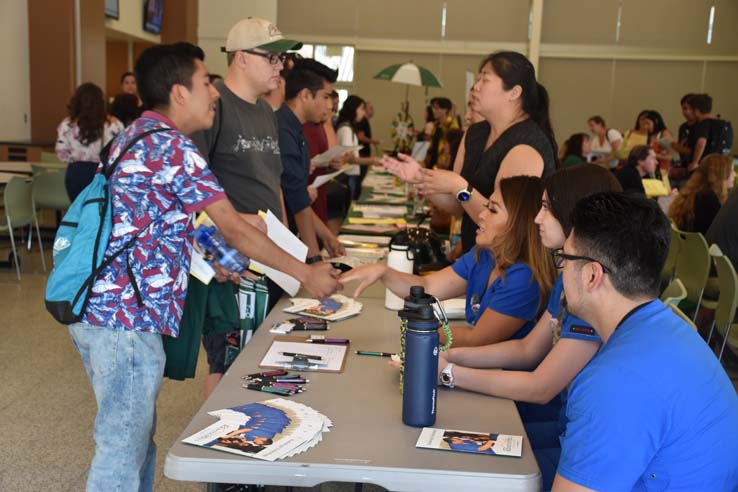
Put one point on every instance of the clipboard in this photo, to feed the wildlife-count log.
(334, 354)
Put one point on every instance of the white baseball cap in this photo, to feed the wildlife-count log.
(253, 32)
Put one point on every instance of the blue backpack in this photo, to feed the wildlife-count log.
(81, 241)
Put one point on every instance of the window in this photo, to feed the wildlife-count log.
(336, 57)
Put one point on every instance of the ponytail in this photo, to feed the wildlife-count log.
(539, 113)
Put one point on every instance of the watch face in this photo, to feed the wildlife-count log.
(463, 196)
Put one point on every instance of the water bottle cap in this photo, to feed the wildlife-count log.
(399, 247)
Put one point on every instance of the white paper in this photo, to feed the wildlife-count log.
(420, 150)
(323, 179)
(332, 355)
(336, 151)
(282, 237)
(201, 269)
(381, 211)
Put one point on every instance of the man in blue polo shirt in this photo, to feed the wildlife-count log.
(654, 410)
(307, 100)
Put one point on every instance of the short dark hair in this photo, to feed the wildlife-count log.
(162, 66)
(638, 153)
(567, 186)
(702, 103)
(125, 74)
(687, 99)
(306, 74)
(599, 120)
(629, 234)
(442, 102)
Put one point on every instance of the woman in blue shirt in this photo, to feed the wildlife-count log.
(507, 276)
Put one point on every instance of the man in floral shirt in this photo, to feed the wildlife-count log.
(158, 184)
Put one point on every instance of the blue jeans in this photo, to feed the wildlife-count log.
(125, 369)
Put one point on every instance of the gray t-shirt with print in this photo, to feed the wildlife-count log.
(242, 149)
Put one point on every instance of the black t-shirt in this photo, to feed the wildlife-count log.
(704, 129)
(687, 138)
(366, 127)
(630, 180)
(724, 228)
(706, 207)
(482, 165)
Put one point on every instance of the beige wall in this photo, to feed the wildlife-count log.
(15, 99)
(661, 53)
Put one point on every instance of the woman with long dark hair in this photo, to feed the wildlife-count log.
(351, 113)
(515, 138)
(82, 135)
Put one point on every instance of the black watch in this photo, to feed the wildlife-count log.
(314, 259)
(464, 194)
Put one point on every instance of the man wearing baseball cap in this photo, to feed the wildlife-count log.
(242, 146)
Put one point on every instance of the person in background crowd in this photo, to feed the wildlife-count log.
(138, 298)
(507, 277)
(661, 139)
(639, 135)
(307, 99)
(655, 392)
(641, 163)
(678, 172)
(429, 127)
(604, 141)
(705, 131)
(724, 228)
(575, 151)
(699, 201)
(516, 138)
(352, 112)
(364, 134)
(443, 122)
(125, 108)
(82, 135)
(128, 86)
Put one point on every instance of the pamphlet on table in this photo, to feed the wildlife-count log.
(270, 430)
(332, 308)
(470, 442)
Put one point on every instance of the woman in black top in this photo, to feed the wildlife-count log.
(700, 199)
(515, 138)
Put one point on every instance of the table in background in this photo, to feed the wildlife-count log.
(368, 443)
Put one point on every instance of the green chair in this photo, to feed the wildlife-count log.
(49, 190)
(674, 293)
(727, 303)
(19, 212)
(693, 266)
(667, 274)
(49, 157)
(681, 314)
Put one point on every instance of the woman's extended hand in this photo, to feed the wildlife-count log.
(366, 275)
(440, 181)
(404, 167)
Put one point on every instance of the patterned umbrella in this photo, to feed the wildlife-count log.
(409, 73)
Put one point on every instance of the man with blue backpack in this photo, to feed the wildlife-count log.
(157, 180)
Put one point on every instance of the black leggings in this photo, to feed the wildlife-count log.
(79, 175)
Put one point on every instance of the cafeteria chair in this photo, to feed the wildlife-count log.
(727, 303)
(19, 212)
(49, 157)
(681, 314)
(49, 190)
(674, 293)
(693, 266)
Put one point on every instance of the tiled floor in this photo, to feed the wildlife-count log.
(47, 406)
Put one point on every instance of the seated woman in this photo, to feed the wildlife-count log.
(700, 199)
(604, 141)
(575, 150)
(507, 277)
(536, 372)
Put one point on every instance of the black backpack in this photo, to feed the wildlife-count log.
(721, 137)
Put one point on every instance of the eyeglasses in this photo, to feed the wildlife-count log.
(273, 58)
(559, 257)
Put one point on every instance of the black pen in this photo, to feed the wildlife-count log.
(306, 356)
(328, 340)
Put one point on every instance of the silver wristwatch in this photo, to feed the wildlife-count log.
(447, 376)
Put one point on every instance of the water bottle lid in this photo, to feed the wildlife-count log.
(399, 247)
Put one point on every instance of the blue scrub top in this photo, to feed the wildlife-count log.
(517, 295)
(653, 410)
(571, 326)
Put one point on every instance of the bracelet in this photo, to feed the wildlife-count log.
(314, 259)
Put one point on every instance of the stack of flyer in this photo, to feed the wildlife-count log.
(470, 442)
(332, 308)
(270, 430)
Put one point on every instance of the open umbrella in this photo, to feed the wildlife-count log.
(409, 74)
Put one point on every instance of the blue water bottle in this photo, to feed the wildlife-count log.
(211, 240)
(420, 383)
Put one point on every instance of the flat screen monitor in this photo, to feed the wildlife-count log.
(153, 14)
